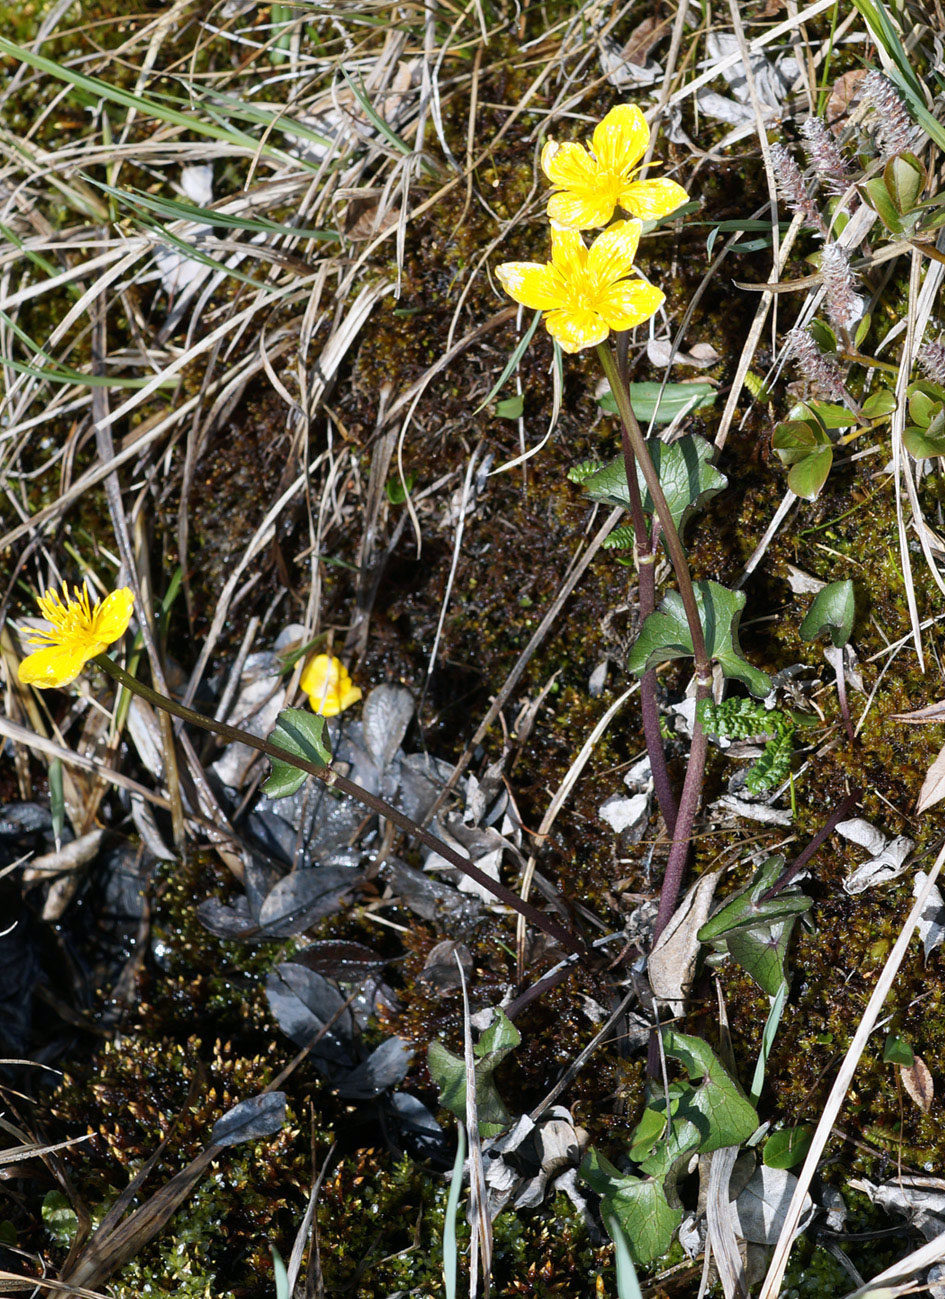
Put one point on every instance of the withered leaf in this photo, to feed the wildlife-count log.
(918, 1084)
(933, 786)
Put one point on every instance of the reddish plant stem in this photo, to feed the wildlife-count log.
(695, 770)
(336, 781)
(644, 550)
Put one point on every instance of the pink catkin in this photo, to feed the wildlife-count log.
(792, 189)
(844, 307)
(931, 358)
(895, 129)
(825, 157)
(820, 372)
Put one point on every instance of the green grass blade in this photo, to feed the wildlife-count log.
(511, 363)
(628, 1287)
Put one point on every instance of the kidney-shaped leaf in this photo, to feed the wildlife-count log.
(665, 635)
(302, 734)
(639, 1204)
(716, 1107)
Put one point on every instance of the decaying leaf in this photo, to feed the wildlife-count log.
(931, 923)
(672, 963)
(918, 1084)
(933, 786)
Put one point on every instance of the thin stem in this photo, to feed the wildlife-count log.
(688, 807)
(645, 554)
(674, 544)
(842, 696)
(336, 781)
(826, 830)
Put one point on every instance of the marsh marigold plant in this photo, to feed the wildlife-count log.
(78, 632)
(585, 292)
(591, 184)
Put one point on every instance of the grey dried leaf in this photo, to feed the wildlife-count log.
(260, 1116)
(385, 1067)
(933, 786)
(761, 1208)
(440, 969)
(931, 924)
(303, 1003)
(886, 866)
(228, 921)
(385, 718)
(304, 897)
(863, 834)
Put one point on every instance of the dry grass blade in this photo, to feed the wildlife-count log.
(772, 1282)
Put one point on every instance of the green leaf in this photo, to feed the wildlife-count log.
(300, 733)
(761, 951)
(665, 635)
(862, 329)
(898, 1051)
(716, 1107)
(796, 439)
(821, 332)
(879, 404)
(640, 1206)
(746, 910)
(646, 1134)
(448, 1071)
(685, 470)
(59, 1218)
(787, 1147)
(833, 610)
(510, 407)
(808, 476)
(875, 193)
(511, 363)
(649, 406)
(397, 490)
(904, 177)
(925, 402)
(922, 444)
(832, 415)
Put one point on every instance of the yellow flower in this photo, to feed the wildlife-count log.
(584, 292)
(592, 184)
(328, 686)
(79, 631)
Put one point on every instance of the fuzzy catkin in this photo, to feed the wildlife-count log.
(822, 374)
(895, 129)
(792, 189)
(931, 358)
(844, 307)
(824, 156)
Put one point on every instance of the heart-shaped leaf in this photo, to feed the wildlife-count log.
(833, 609)
(716, 1106)
(302, 734)
(665, 635)
(639, 1204)
(685, 470)
(448, 1071)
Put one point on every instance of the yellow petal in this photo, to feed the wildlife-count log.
(328, 686)
(584, 210)
(577, 328)
(54, 666)
(113, 616)
(568, 165)
(568, 254)
(531, 284)
(611, 254)
(620, 140)
(629, 303)
(650, 199)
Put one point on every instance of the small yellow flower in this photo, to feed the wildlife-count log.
(79, 631)
(328, 686)
(584, 292)
(593, 183)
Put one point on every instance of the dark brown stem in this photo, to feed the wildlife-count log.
(689, 802)
(836, 816)
(336, 781)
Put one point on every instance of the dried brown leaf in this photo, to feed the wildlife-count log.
(922, 716)
(933, 787)
(918, 1083)
(843, 92)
